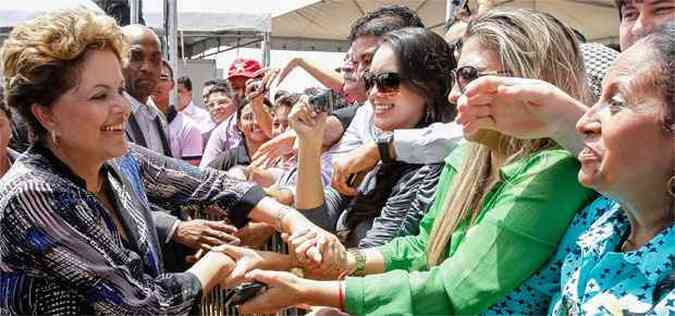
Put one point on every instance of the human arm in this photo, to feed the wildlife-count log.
(328, 78)
(309, 127)
(405, 207)
(82, 252)
(510, 241)
(215, 145)
(523, 108)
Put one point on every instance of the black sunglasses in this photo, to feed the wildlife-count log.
(465, 74)
(387, 82)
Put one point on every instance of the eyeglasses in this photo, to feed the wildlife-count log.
(463, 75)
(387, 82)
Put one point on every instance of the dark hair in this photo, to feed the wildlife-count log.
(619, 5)
(166, 64)
(425, 60)
(289, 99)
(186, 82)
(383, 20)
(223, 87)
(210, 82)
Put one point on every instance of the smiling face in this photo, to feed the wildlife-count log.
(626, 146)
(220, 106)
(248, 125)
(90, 119)
(401, 109)
(640, 17)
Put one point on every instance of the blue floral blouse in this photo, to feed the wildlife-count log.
(588, 276)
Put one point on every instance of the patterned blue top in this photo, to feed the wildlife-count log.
(61, 252)
(588, 276)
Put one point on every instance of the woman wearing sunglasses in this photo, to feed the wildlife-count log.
(618, 255)
(501, 205)
(406, 89)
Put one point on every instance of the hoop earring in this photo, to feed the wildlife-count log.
(670, 186)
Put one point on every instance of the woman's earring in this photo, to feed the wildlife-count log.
(54, 139)
(670, 188)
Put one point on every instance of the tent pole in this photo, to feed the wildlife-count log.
(172, 8)
(133, 11)
(267, 49)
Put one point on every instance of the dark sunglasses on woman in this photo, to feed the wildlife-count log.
(387, 82)
(465, 74)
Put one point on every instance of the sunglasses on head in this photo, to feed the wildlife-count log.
(465, 74)
(386, 82)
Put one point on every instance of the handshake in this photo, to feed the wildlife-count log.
(258, 283)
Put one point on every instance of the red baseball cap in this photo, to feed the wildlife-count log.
(243, 67)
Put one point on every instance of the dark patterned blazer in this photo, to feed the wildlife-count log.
(61, 253)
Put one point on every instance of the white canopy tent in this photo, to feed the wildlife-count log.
(324, 24)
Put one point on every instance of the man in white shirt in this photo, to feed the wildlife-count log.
(185, 136)
(187, 107)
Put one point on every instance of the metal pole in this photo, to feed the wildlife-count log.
(134, 6)
(267, 49)
(172, 33)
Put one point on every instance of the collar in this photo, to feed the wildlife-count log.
(40, 153)
(135, 104)
(654, 259)
(190, 108)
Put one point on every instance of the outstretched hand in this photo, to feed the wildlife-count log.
(523, 108)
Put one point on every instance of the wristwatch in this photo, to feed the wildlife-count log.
(383, 142)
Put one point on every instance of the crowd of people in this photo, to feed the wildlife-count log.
(507, 168)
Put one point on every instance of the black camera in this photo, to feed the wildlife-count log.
(244, 292)
(323, 102)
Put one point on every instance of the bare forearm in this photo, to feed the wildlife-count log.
(275, 261)
(264, 119)
(309, 188)
(334, 131)
(212, 269)
(328, 78)
(565, 132)
(323, 293)
(285, 219)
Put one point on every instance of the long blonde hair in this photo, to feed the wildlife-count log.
(530, 44)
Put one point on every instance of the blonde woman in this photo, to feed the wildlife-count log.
(501, 206)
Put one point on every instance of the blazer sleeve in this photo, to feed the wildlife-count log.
(174, 184)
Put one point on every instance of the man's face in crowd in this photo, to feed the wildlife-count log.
(363, 49)
(144, 66)
(641, 17)
(238, 84)
(184, 97)
(220, 107)
(163, 89)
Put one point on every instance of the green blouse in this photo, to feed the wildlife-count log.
(519, 225)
